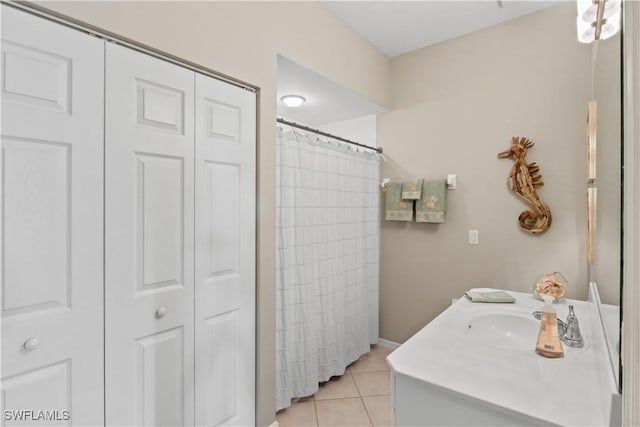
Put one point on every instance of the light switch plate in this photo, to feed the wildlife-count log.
(473, 237)
(451, 182)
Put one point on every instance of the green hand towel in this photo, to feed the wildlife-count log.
(432, 204)
(411, 190)
(397, 209)
(489, 296)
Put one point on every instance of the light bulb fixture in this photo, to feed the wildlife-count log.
(586, 31)
(611, 25)
(588, 10)
(597, 19)
(293, 101)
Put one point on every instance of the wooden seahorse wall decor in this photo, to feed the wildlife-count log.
(523, 179)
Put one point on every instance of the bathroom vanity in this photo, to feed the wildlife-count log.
(475, 364)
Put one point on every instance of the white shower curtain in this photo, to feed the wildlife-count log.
(327, 260)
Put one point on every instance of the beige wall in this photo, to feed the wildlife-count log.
(455, 106)
(606, 92)
(242, 39)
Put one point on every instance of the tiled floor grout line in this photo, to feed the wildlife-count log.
(366, 411)
(315, 410)
(360, 395)
(353, 397)
(357, 388)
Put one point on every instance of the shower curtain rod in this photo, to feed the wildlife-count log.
(319, 132)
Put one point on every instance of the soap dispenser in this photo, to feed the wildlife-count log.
(549, 344)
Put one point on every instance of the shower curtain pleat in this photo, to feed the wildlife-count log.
(327, 260)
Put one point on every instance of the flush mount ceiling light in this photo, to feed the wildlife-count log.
(293, 101)
(597, 19)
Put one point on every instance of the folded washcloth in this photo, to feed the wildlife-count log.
(432, 204)
(397, 209)
(489, 295)
(411, 190)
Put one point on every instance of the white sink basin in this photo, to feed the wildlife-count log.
(489, 373)
(504, 331)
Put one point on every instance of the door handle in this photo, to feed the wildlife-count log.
(161, 312)
(31, 344)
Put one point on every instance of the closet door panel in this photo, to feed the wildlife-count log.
(52, 212)
(159, 224)
(149, 240)
(225, 254)
(223, 214)
(160, 380)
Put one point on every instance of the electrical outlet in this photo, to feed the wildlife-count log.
(473, 237)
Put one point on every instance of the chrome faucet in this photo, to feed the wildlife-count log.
(572, 336)
(568, 331)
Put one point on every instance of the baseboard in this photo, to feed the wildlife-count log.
(388, 344)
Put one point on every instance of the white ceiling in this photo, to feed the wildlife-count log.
(327, 101)
(397, 27)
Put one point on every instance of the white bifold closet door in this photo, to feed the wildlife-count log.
(52, 221)
(149, 261)
(180, 245)
(225, 254)
(128, 219)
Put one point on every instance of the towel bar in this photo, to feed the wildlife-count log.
(451, 183)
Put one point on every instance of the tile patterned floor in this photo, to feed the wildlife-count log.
(360, 397)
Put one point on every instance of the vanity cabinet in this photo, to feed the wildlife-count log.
(475, 364)
(418, 403)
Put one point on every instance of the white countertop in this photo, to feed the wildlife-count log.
(574, 390)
